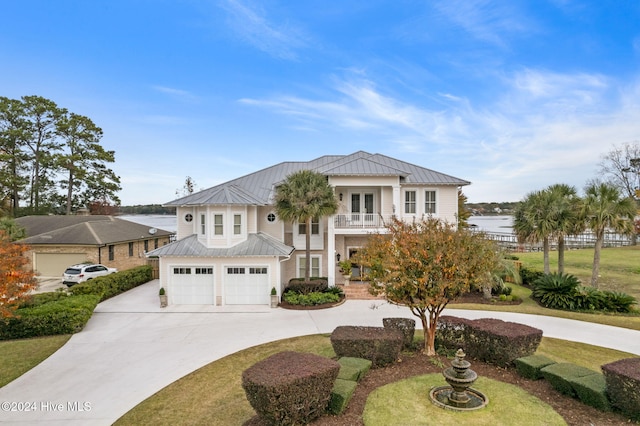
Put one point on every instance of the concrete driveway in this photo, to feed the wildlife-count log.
(131, 348)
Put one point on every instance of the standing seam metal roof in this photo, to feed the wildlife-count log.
(257, 188)
(256, 245)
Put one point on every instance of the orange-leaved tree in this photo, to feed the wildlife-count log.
(425, 265)
(15, 281)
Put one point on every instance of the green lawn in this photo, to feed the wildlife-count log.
(204, 395)
(619, 267)
(19, 356)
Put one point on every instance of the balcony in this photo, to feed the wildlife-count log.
(360, 220)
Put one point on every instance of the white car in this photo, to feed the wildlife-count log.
(82, 272)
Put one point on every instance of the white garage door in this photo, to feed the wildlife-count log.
(246, 285)
(54, 264)
(192, 285)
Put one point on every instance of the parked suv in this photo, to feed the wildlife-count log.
(80, 273)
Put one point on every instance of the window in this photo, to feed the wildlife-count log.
(146, 245)
(315, 266)
(410, 202)
(155, 243)
(258, 271)
(203, 226)
(182, 271)
(130, 249)
(315, 227)
(235, 271)
(218, 227)
(188, 217)
(237, 224)
(112, 252)
(430, 202)
(271, 217)
(204, 271)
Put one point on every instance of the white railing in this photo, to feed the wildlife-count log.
(360, 220)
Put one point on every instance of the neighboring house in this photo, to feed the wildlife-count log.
(232, 248)
(59, 241)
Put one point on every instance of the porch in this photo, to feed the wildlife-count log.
(360, 220)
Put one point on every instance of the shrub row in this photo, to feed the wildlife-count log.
(57, 313)
(290, 388)
(618, 387)
(563, 291)
(112, 285)
(407, 326)
(487, 339)
(310, 299)
(379, 345)
(315, 284)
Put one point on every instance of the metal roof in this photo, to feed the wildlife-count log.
(256, 245)
(105, 230)
(257, 188)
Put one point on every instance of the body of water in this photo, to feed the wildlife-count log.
(492, 224)
(160, 221)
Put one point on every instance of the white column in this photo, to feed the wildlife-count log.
(331, 251)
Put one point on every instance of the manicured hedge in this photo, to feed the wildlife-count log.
(290, 388)
(380, 345)
(61, 314)
(407, 326)
(114, 284)
(488, 339)
(623, 386)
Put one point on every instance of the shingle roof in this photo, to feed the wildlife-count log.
(105, 230)
(257, 188)
(256, 245)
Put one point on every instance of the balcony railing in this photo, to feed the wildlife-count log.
(360, 220)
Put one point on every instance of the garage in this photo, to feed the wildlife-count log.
(246, 285)
(54, 264)
(192, 285)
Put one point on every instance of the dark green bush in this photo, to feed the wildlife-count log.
(310, 299)
(528, 275)
(561, 374)
(591, 390)
(60, 315)
(298, 285)
(42, 298)
(529, 366)
(556, 291)
(290, 388)
(114, 284)
(619, 302)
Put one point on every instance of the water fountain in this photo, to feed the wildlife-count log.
(459, 395)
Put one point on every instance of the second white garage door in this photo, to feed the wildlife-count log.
(246, 285)
(192, 285)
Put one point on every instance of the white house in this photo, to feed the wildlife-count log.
(231, 247)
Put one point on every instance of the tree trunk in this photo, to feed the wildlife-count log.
(545, 248)
(69, 192)
(307, 261)
(561, 254)
(595, 272)
(429, 327)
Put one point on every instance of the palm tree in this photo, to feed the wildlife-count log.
(566, 207)
(604, 208)
(304, 196)
(534, 221)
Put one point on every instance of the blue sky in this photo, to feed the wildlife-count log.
(511, 95)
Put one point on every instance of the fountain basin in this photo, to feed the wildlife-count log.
(442, 397)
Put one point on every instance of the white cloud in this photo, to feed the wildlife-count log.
(251, 24)
(541, 128)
